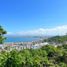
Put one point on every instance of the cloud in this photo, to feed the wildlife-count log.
(9, 33)
(60, 30)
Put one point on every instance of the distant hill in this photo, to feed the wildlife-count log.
(57, 39)
(28, 36)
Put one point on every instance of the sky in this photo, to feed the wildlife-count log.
(34, 17)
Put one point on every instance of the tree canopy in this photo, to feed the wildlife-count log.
(2, 32)
(47, 56)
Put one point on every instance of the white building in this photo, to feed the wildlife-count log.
(1, 46)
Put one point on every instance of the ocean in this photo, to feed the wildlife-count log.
(21, 39)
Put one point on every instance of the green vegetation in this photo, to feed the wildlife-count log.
(2, 32)
(47, 56)
(57, 39)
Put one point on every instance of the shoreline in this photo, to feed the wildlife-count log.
(16, 40)
(36, 41)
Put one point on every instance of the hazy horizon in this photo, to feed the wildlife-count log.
(34, 17)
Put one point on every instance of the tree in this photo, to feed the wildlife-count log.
(2, 32)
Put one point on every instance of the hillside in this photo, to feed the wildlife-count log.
(57, 39)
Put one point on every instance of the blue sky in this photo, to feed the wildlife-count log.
(27, 15)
